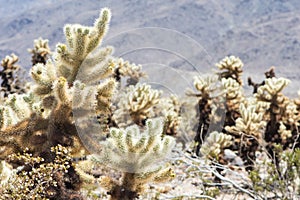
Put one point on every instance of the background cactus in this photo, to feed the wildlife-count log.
(206, 86)
(215, 144)
(231, 67)
(248, 132)
(130, 70)
(9, 74)
(137, 102)
(40, 52)
(271, 92)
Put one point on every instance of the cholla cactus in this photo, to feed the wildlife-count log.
(250, 122)
(214, 145)
(133, 71)
(138, 102)
(292, 115)
(232, 85)
(20, 128)
(271, 89)
(14, 110)
(44, 117)
(10, 82)
(76, 61)
(269, 74)
(271, 92)
(233, 68)
(170, 110)
(207, 86)
(81, 41)
(40, 51)
(233, 89)
(137, 154)
(284, 133)
(53, 99)
(248, 132)
(234, 96)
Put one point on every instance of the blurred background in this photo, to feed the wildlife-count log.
(263, 33)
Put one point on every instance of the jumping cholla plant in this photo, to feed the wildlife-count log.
(248, 131)
(49, 104)
(205, 85)
(9, 74)
(210, 105)
(43, 118)
(234, 96)
(271, 92)
(249, 123)
(137, 102)
(215, 144)
(40, 52)
(137, 155)
(62, 92)
(130, 70)
(169, 108)
(248, 120)
(231, 67)
(49, 149)
(231, 71)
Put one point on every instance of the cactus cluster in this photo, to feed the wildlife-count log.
(11, 82)
(44, 114)
(78, 132)
(130, 70)
(77, 83)
(254, 123)
(231, 67)
(214, 144)
(40, 52)
(137, 102)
